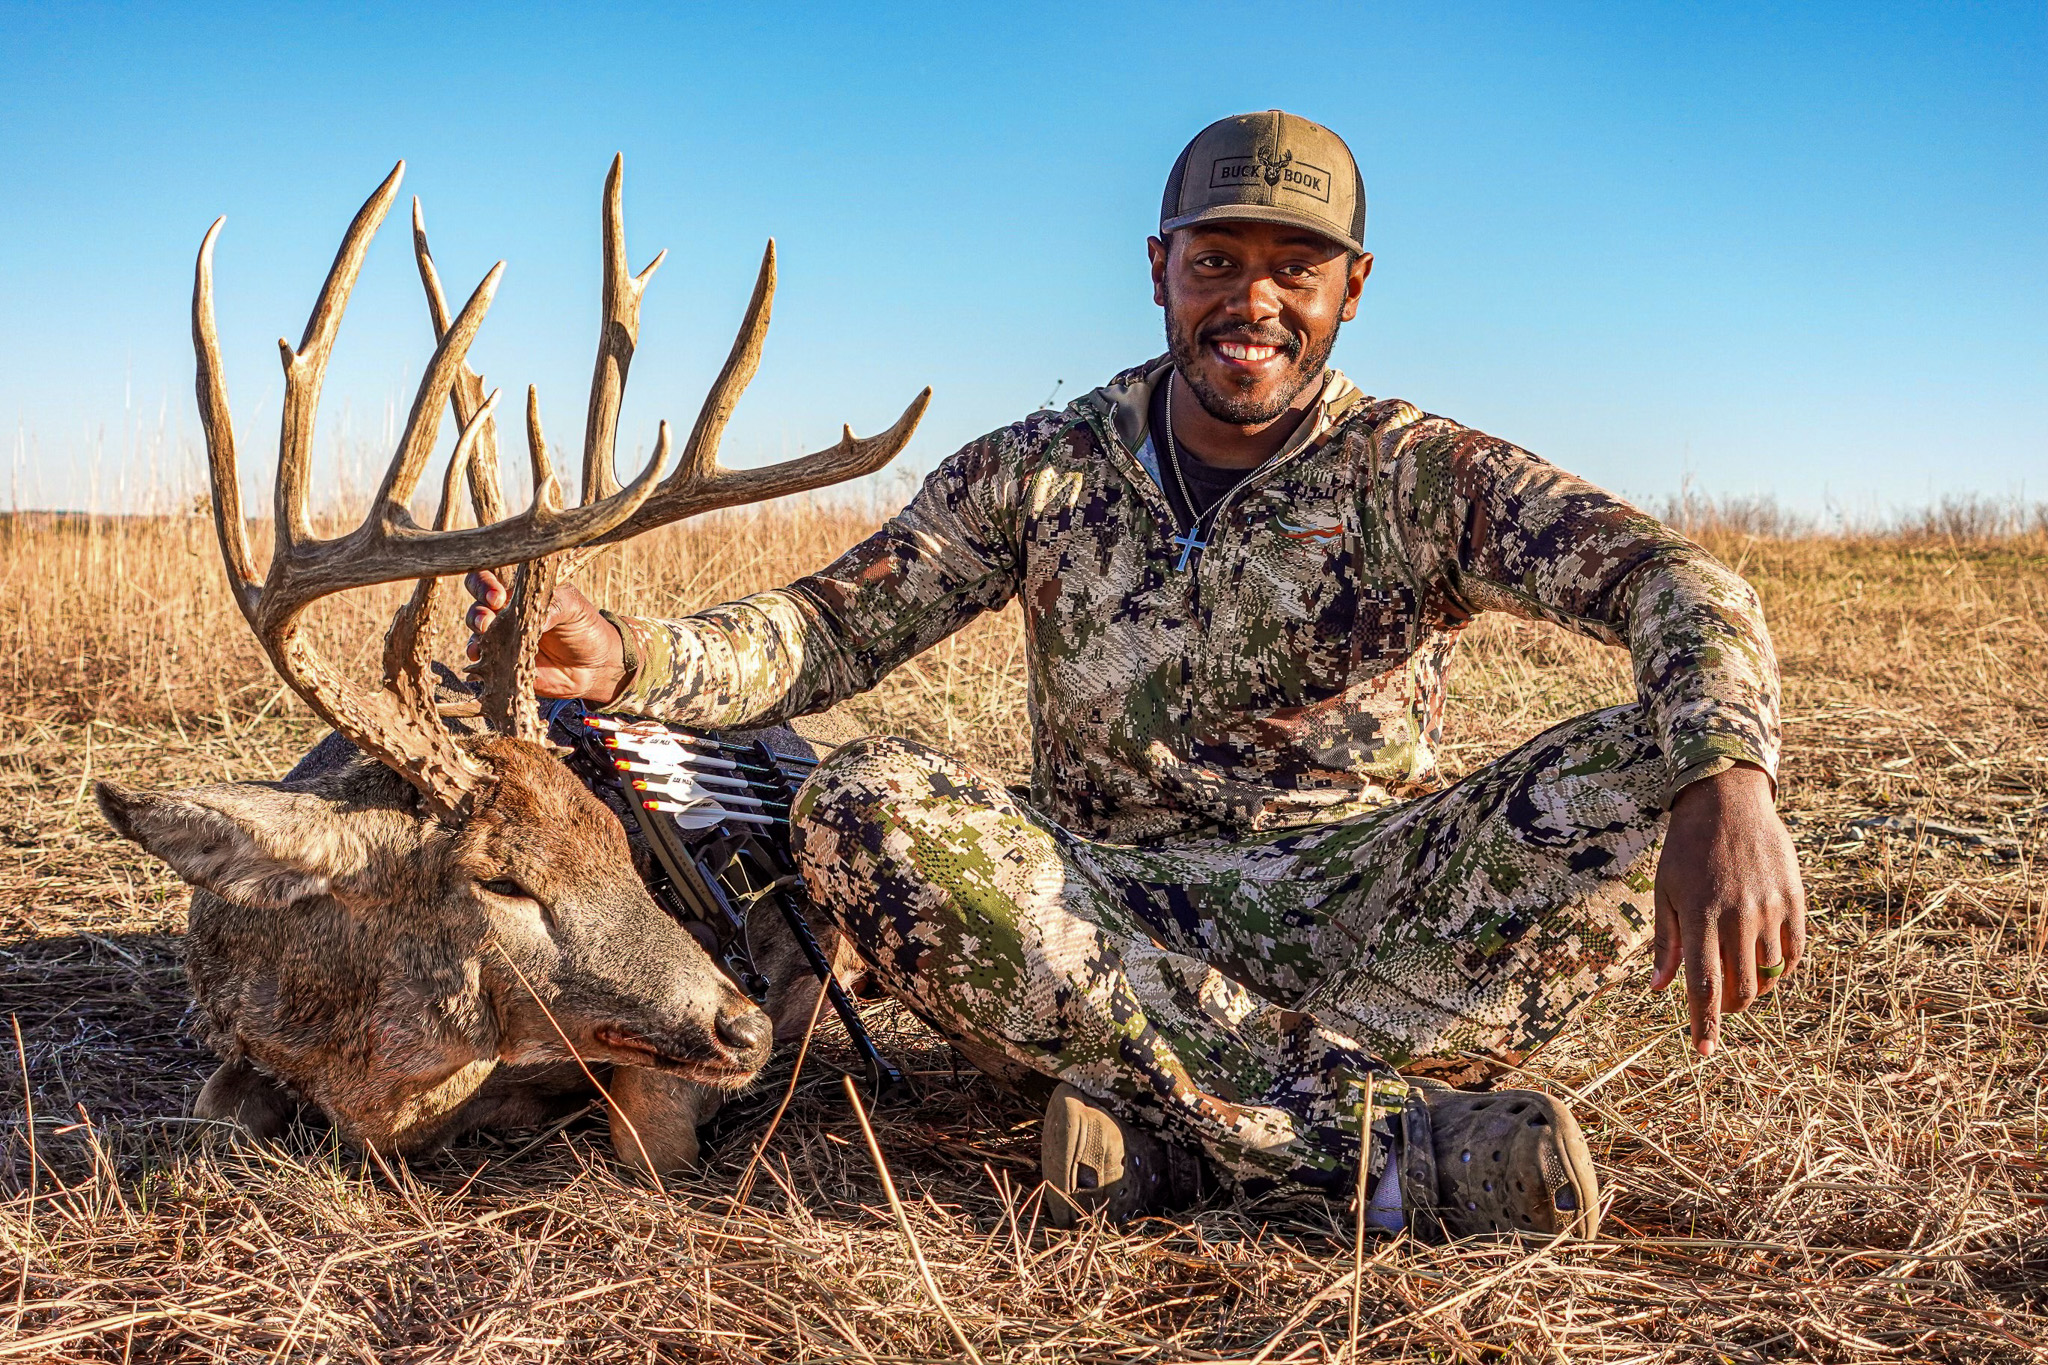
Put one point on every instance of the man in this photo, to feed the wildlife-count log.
(1238, 898)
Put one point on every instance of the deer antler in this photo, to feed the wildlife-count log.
(617, 337)
(507, 659)
(390, 722)
(700, 483)
(397, 722)
(486, 492)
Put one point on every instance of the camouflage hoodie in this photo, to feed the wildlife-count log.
(1295, 671)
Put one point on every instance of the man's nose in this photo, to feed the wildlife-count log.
(1256, 298)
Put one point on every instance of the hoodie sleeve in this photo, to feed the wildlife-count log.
(949, 556)
(1490, 527)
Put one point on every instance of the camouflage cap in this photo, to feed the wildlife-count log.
(1272, 167)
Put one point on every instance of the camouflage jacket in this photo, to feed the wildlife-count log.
(1295, 672)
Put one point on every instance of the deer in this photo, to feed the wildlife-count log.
(430, 925)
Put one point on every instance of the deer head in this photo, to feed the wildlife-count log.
(386, 933)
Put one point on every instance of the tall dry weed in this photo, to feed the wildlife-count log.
(1859, 1176)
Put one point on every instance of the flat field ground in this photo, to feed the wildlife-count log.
(1859, 1176)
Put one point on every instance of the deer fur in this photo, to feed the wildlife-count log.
(422, 931)
(351, 952)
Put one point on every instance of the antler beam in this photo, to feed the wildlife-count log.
(397, 722)
(392, 722)
(701, 484)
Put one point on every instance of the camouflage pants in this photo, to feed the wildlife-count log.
(1242, 994)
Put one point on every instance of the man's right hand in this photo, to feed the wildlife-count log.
(580, 654)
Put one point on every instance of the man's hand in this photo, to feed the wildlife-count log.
(580, 653)
(1729, 901)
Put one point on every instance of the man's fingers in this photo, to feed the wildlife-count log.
(487, 588)
(1792, 934)
(1778, 950)
(1664, 952)
(478, 618)
(560, 606)
(1739, 961)
(1770, 963)
(1703, 989)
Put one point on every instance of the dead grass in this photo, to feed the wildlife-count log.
(1859, 1177)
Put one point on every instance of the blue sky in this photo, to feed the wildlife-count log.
(1798, 250)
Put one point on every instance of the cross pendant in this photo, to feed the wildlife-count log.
(1189, 544)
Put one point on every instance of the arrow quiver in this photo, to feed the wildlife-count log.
(713, 809)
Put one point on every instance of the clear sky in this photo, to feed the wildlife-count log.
(1797, 249)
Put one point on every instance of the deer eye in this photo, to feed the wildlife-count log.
(512, 890)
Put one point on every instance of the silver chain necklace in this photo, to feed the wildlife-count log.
(1192, 543)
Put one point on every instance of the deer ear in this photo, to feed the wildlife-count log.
(247, 842)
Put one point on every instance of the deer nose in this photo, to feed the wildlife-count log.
(744, 1029)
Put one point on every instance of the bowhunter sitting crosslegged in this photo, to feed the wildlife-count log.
(1237, 898)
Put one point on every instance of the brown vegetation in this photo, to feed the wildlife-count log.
(1860, 1175)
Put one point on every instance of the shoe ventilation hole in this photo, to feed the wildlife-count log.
(1496, 1156)
(1516, 1108)
(1464, 1156)
(1526, 1220)
(1520, 1188)
(1488, 1186)
(1472, 1206)
(1483, 1104)
(1539, 1122)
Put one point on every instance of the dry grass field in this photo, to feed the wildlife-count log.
(1860, 1175)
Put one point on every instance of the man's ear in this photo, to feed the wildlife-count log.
(1354, 285)
(1158, 251)
(247, 842)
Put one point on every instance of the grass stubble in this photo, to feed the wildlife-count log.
(1859, 1175)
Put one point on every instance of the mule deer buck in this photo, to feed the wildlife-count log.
(430, 932)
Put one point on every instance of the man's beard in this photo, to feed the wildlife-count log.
(1235, 406)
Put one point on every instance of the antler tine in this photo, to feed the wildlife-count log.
(700, 483)
(221, 468)
(396, 723)
(408, 644)
(547, 490)
(618, 335)
(486, 492)
(306, 367)
(404, 737)
(505, 661)
(742, 363)
(423, 424)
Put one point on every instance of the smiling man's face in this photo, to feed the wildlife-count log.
(1252, 310)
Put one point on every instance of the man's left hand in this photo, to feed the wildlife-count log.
(1730, 906)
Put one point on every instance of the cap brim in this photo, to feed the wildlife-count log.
(1261, 213)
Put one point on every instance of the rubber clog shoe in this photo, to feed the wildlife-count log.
(1478, 1163)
